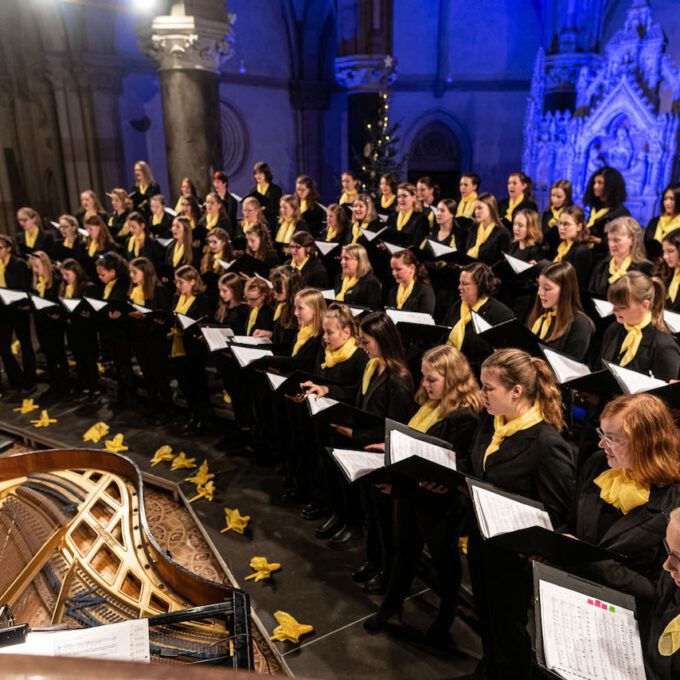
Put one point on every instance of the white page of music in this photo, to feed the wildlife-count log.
(249, 340)
(400, 316)
(672, 320)
(318, 404)
(518, 266)
(633, 381)
(276, 380)
(216, 338)
(439, 249)
(9, 296)
(246, 355)
(603, 307)
(479, 323)
(358, 463)
(586, 638)
(402, 447)
(499, 514)
(565, 368)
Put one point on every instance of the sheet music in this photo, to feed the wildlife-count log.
(317, 404)
(246, 355)
(603, 308)
(672, 320)
(400, 316)
(41, 303)
(83, 232)
(439, 249)
(54, 224)
(565, 369)
(325, 247)
(402, 447)
(323, 207)
(585, 638)
(164, 242)
(124, 641)
(479, 323)
(170, 211)
(270, 285)
(356, 311)
(224, 264)
(371, 235)
(383, 218)
(70, 303)
(497, 514)
(97, 305)
(140, 309)
(185, 321)
(392, 248)
(250, 340)
(328, 294)
(276, 380)
(357, 464)
(8, 296)
(217, 338)
(518, 266)
(632, 382)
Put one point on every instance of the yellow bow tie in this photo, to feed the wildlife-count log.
(631, 343)
(669, 642)
(619, 490)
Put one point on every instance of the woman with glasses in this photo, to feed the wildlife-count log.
(32, 237)
(409, 225)
(304, 258)
(573, 244)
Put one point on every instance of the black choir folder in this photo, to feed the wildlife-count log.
(418, 327)
(510, 333)
(632, 382)
(333, 412)
(585, 630)
(577, 376)
(522, 526)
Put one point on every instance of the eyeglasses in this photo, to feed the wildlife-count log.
(673, 557)
(294, 246)
(607, 439)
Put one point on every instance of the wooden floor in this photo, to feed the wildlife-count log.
(314, 584)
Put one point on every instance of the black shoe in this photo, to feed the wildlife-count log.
(343, 536)
(377, 585)
(293, 497)
(312, 512)
(329, 528)
(365, 572)
(380, 619)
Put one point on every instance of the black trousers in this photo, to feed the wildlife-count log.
(152, 357)
(343, 498)
(379, 511)
(236, 385)
(190, 372)
(50, 334)
(17, 322)
(115, 339)
(83, 342)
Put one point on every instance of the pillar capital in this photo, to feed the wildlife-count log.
(365, 72)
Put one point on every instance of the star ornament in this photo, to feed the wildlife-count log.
(162, 454)
(27, 406)
(263, 569)
(289, 629)
(181, 462)
(115, 445)
(96, 432)
(44, 420)
(236, 522)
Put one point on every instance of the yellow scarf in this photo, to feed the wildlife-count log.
(430, 218)
(157, 219)
(457, 334)
(373, 366)
(348, 282)
(110, 222)
(285, 232)
(303, 206)
(512, 204)
(631, 343)
(177, 253)
(348, 197)
(69, 291)
(68, 243)
(386, 202)
(403, 218)
(252, 318)
(182, 307)
(542, 324)
(3, 266)
(669, 642)
(483, 234)
(467, 205)
(31, 237)
(665, 225)
(619, 490)
(552, 222)
(617, 273)
(142, 188)
(303, 335)
(137, 294)
(674, 284)
(263, 188)
(135, 244)
(333, 357)
(357, 230)
(426, 416)
(178, 205)
(562, 249)
(302, 264)
(216, 265)
(330, 233)
(40, 286)
(108, 288)
(503, 429)
(404, 292)
(211, 221)
(595, 215)
(278, 310)
(92, 248)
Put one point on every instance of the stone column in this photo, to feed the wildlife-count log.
(189, 51)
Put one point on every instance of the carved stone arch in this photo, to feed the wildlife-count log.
(234, 138)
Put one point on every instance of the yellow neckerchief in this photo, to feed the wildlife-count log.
(357, 230)
(333, 357)
(674, 284)
(426, 416)
(669, 642)
(182, 307)
(108, 288)
(177, 253)
(665, 225)
(70, 290)
(386, 203)
(110, 222)
(192, 222)
(142, 188)
(562, 249)
(124, 230)
(457, 334)
(303, 335)
(403, 218)
(135, 244)
(92, 248)
(31, 237)
(483, 234)
(503, 429)
(262, 189)
(595, 215)
(552, 222)
(300, 266)
(619, 490)
(157, 219)
(330, 233)
(285, 232)
(3, 266)
(617, 272)
(348, 197)
(216, 267)
(178, 205)
(252, 318)
(137, 294)
(211, 221)
(40, 286)
(404, 292)
(512, 204)
(631, 343)
(68, 243)
(348, 282)
(304, 207)
(278, 310)
(467, 205)
(373, 366)
(542, 324)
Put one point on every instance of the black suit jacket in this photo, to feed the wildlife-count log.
(237, 319)
(576, 341)
(269, 202)
(150, 249)
(493, 248)
(61, 252)
(314, 217)
(140, 200)
(421, 299)
(503, 204)
(308, 357)
(413, 232)
(597, 229)
(366, 293)
(264, 320)
(17, 274)
(580, 257)
(348, 373)
(44, 242)
(667, 608)
(599, 278)
(458, 428)
(162, 230)
(314, 274)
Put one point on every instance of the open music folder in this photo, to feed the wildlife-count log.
(511, 333)
(585, 631)
(357, 464)
(632, 382)
(578, 376)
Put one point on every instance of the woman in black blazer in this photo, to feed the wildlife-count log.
(90, 206)
(149, 338)
(357, 285)
(476, 287)
(266, 192)
(289, 222)
(387, 205)
(413, 292)
(260, 246)
(488, 239)
(71, 243)
(231, 310)
(140, 243)
(180, 252)
(558, 318)
(304, 258)
(160, 221)
(669, 270)
(311, 213)
(337, 225)
(517, 448)
(561, 197)
(145, 187)
(605, 196)
(573, 246)
(661, 226)
(117, 220)
(217, 249)
(32, 237)
(364, 216)
(408, 225)
(98, 242)
(426, 513)
(520, 197)
(215, 217)
(639, 339)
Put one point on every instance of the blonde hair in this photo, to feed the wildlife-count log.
(32, 215)
(47, 267)
(534, 231)
(461, 389)
(357, 252)
(411, 189)
(256, 283)
(123, 197)
(313, 298)
(629, 226)
(292, 202)
(95, 199)
(533, 375)
(252, 202)
(70, 220)
(638, 287)
(343, 316)
(371, 212)
(146, 172)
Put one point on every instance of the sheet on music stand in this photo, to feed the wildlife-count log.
(402, 447)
